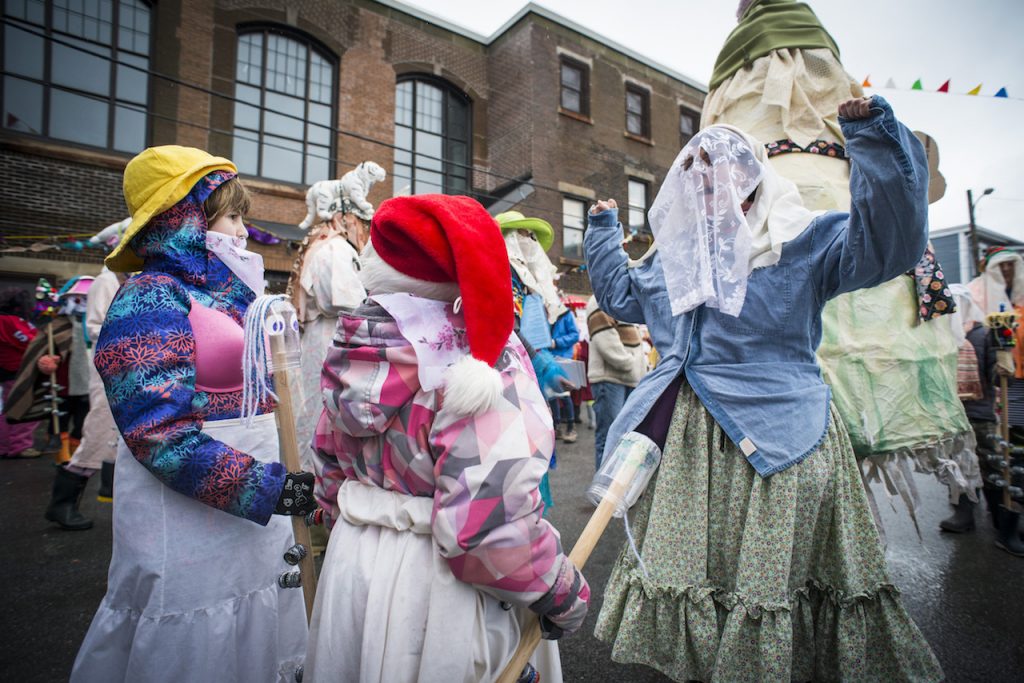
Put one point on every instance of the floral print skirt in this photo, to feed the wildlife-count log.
(751, 579)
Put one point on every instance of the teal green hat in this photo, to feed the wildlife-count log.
(513, 220)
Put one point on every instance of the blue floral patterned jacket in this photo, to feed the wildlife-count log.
(146, 356)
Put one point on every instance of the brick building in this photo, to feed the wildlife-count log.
(542, 116)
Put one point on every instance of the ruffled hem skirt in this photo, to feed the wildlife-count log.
(741, 578)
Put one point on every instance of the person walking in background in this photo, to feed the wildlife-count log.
(15, 334)
(616, 366)
(564, 335)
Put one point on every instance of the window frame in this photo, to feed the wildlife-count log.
(112, 100)
(582, 230)
(448, 90)
(584, 91)
(645, 112)
(644, 229)
(694, 116)
(312, 45)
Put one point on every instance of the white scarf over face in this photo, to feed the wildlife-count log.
(989, 289)
(708, 246)
(535, 271)
(247, 265)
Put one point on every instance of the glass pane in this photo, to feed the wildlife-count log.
(131, 83)
(80, 70)
(319, 129)
(245, 152)
(403, 137)
(634, 124)
(428, 182)
(320, 113)
(571, 77)
(29, 10)
(318, 164)
(247, 115)
(23, 52)
(428, 107)
(572, 213)
(286, 65)
(90, 19)
(458, 118)
(77, 118)
(637, 204)
(402, 180)
(634, 102)
(403, 103)
(129, 129)
(317, 134)
(570, 100)
(321, 79)
(572, 243)
(458, 152)
(282, 159)
(133, 26)
(284, 115)
(428, 151)
(456, 185)
(686, 124)
(23, 106)
(250, 58)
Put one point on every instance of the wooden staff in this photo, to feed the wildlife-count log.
(580, 554)
(285, 415)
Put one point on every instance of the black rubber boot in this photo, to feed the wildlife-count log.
(1008, 539)
(68, 488)
(993, 499)
(962, 520)
(106, 492)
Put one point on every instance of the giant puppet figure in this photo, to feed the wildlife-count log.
(891, 366)
(325, 278)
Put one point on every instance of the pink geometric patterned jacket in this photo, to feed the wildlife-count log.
(380, 427)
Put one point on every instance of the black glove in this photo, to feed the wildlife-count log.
(297, 494)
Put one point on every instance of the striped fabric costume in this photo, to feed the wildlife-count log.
(146, 357)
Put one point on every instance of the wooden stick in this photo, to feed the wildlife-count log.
(285, 415)
(580, 554)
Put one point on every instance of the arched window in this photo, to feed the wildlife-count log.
(432, 136)
(285, 113)
(66, 74)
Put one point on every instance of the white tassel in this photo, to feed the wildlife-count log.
(256, 385)
(471, 387)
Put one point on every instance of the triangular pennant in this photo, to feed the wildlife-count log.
(976, 90)
(917, 85)
(1001, 93)
(944, 87)
(867, 82)
(891, 84)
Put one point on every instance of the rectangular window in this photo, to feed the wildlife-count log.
(689, 123)
(574, 213)
(637, 206)
(575, 93)
(638, 111)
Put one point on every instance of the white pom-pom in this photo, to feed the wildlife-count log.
(471, 387)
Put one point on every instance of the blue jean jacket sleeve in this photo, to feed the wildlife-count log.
(565, 334)
(887, 229)
(617, 293)
(146, 357)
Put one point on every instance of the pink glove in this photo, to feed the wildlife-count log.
(48, 364)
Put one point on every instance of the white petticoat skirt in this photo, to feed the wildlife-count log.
(389, 610)
(192, 591)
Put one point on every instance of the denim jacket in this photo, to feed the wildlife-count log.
(757, 373)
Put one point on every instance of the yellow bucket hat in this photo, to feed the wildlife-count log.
(154, 181)
(513, 220)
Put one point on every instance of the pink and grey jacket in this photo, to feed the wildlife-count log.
(380, 427)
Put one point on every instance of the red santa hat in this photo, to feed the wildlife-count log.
(452, 239)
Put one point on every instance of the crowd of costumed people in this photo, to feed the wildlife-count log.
(786, 346)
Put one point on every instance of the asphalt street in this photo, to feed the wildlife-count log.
(966, 595)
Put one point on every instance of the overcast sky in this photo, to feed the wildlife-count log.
(981, 139)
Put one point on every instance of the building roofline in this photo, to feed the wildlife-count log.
(534, 8)
(988, 234)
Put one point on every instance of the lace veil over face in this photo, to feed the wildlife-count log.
(707, 244)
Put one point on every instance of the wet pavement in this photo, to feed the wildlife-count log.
(965, 595)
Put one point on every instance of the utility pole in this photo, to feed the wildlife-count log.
(972, 234)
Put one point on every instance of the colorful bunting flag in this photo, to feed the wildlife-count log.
(1001, 93)
(891, 84)
(867, 81)
(944, 87)
(917, 85)
(976, 90)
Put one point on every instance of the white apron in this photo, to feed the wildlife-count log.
(192, 592)
(389, 610)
